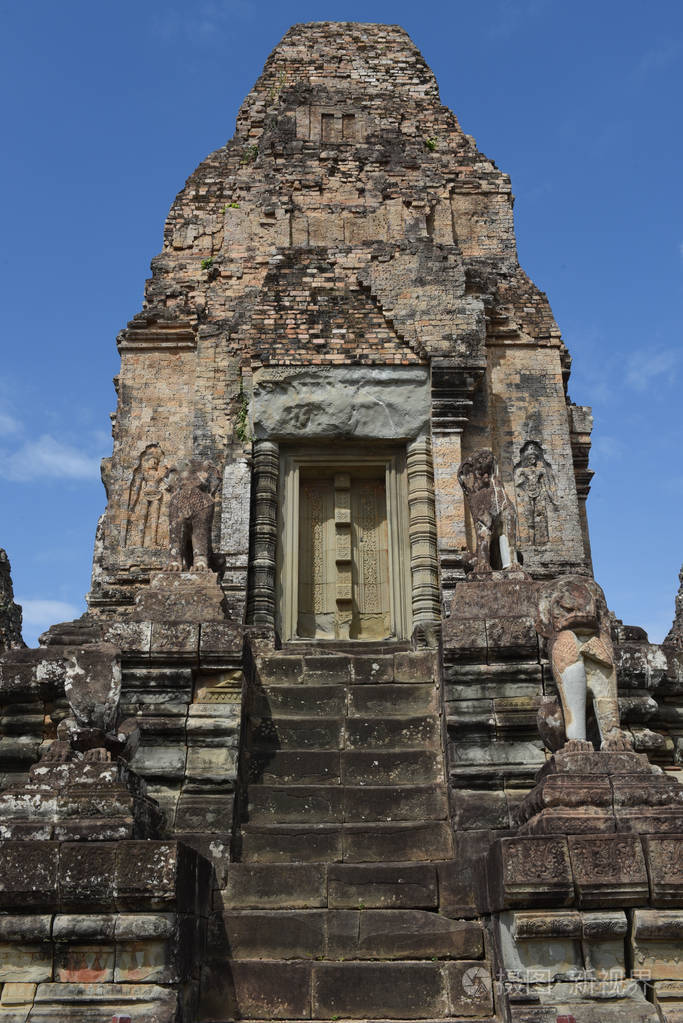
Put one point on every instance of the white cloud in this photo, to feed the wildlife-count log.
(642, 369)
(39, 614)
(47, 457)
(8, 424)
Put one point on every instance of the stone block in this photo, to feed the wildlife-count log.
(402, 767)
(80, 927)
(291, 843)
(464, 639)
(267, 934)
(657, 940)
(87, 875)
(277, 886)
(210, 765)
(545, 942)
(398, 886)
(513, 637)
(28, 873)
(603, 941)
(457, 889)
(84, 964)
(396, 990)
(478, 809)
(159, 762)
(219, 640)
(415, 840)
(392, 733)
(298, 804)
(384, 701)
(204, 811)
(373, 670)
(175, 639)
(298, 701)
(25, 928)
(395, 803)
(470, 988)
(400, 934)
(609, 870)
(414, 666)
(25, 963)
(17, 994)
(129, 637)
(145, 962)
(253, 989)
(155, 874)
(280, 670)
(307, 767)
(329, 669)
(664, 855)
(302, 733)
(529, 871)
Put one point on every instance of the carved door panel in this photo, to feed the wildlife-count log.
(343, 579)
(371, 617)
(317, 569)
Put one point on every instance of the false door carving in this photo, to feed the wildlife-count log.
(344, 587)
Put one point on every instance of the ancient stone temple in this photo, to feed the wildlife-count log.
(348, 730)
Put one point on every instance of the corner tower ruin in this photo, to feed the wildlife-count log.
(348, 730)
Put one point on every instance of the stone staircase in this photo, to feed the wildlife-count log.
(338, 907)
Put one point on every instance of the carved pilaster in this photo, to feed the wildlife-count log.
(453, 388)
(422, 531)
(261, 609)
(580, 427)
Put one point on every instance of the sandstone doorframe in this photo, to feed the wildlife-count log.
(392, 462)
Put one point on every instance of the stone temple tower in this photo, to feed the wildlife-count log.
(348, 731)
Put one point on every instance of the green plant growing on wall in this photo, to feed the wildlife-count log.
(249, 155)
(431, 143)
(207, 263)
(276, 87)
(242, 425)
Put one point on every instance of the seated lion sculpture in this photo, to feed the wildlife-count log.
(573, 617)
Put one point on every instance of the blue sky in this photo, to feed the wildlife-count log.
(110, 106)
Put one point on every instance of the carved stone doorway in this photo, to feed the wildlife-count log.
(344, 558)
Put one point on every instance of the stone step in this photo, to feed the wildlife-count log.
(334, 803)
(274, 885)
(391, 767)
(298, 701)
(333, 701)
(385, 885)
(348, 934)
(351, 767)
(389, 700)
(304, 767)
(359, 665)
(348, 843)
(341, 885)
(393, 733)
(321, 733)
(267, 989)
(315, 733)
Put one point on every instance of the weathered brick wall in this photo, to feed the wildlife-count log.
(348, 221)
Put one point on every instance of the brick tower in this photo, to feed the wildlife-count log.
(348, 731)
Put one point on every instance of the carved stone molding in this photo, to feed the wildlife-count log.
(422, 531)
(261, 607)
(453, 388)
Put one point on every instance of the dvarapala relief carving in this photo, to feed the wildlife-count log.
(535, 488)
(573, 616)
(148, 498)
(493, 514)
